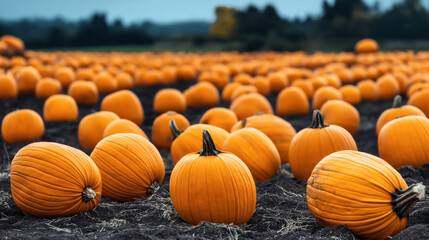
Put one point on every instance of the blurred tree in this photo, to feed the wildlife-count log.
(225, 22)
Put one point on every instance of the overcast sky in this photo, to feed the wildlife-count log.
(161, 11)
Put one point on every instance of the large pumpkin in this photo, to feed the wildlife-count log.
(405, 141)
(212, 186)
(53, 180)
(362, 192)
(130, 166)
(312, 144)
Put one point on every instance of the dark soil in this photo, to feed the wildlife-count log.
(281, 211)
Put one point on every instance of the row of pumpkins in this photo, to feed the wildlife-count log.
(50, 179)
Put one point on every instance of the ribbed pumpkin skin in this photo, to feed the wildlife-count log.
(161, 133)
(129, 165)
(393, 113)
(123, 126)
(250, 104)
(405, 141)
(47, 180)
(190, 140)
(256, 150)
(354, 189)
(217, 189)
(219, 117)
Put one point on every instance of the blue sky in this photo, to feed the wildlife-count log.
(161, 11)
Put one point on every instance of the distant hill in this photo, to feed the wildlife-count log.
(172, 29)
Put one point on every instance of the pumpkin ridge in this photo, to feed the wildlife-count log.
(224, 187)
(427, 134)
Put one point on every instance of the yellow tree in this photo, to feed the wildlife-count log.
(225, 22)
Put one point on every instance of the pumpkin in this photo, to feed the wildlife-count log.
(189, 140)
(202, 94)
(256, 150)
(9, 87)
(151, 77)
(162, 137)
(84, 74)
(130, 166)
(17, 61)
(105, 82)
(242, 90)
(22, 126)
(402, 80)
(91, 128)
(47, 87)
(227, 194)
(416, 87)
(210, 77)
(54, 180)
(84, 92)
(14, 45)
(361, 192)
(125, 81)
(397, 110)
(368, 90)
(125, 104)
(219, 117)
(278, 81)
(324, 94)
(249, 104)
(27, 79)
(169, 99)
(318, 82)
(60, 107)
(341, 113)
(262, 85)
(404, 141)
(351, 94)
(65, 75)
(292, 101)
(310, 145)
(333, 80)
(420, 100)
(123, 126)
(366, 45)
(169, 74)
(228, 90)
(243, 78)
(306, 86)
(388, 87)
(277, 129)
(186, 73)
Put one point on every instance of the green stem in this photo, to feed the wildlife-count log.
(397, 102)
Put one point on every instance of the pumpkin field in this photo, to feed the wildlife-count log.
(216, 145)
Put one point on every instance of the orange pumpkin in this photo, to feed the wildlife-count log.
(9, 88)
(318, 82)
(306, 86)
(48, 87)
(65, 75)
(262, 85)
(54, 180)
(125, 81)
(123, 126)
(341, 113)
(416, 87)
(324, 94)
(189, 140)
(368, 90)
(219, 117)
(161, 133)
(278, 130)
(420, 100)
(292, 101)
(250, 104)
(309, 146)
(187, 73)
(84, 74)
(361, 192)
(105, 82)
(27, 79)
(397, 110)
(169, 99)
(278, 81)
(202, 94)
(229, 193)
(91, 128)
(388, 87)
(243, 78)
(228, 90)
(242, 90)
(169, 74)
(84, 92)
(333, 80)
(60, 107)
(351, 94)
(402, 80)
(22, 126)
(366, 45)
(256, 150)
(151, 77)
(130, 166)
(404, 141)
(125, 104)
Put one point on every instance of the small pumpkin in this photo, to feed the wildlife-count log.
(420, 100)
(324, 94)
(243, 78)
(187, 73)
(169, 74)
(341, 113)
(48, 87)
(397, 110)
(60, 107)
(219, 117)
(125, 104)
(351, 94)
(123, 126)
(292, 101)
(21, 126)
(54, 180)
(306, 86)
(309, 145)
(151, 77)
(262, 85)
(368, 90)
(366, 45)
(416, 87)
(228, 193)
(84, 74)
(228, 90)
(9, 87)
(278, 81)
(125, 80)
(404, 141)
(388, 87)
(84, 92)
(162, 137)
(189, 140)
(250, 104)
(361, 192)
(130, 166)
(202, 94)
(105, 82)
(169, 99)
(27, 79)
(65, 75)
(91, 128)
(256, 150)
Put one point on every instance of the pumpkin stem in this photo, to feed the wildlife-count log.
(244, 122)
(317, 121)
(88, 194)
(153, 188)
(403, 201)
(209, 148)
(397, 102)
(174, 130)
